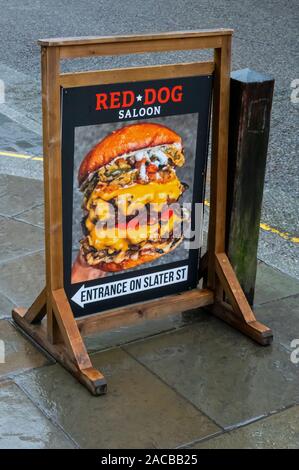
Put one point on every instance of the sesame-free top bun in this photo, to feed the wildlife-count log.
(125, 140)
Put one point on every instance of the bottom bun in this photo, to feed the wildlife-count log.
(130, 263)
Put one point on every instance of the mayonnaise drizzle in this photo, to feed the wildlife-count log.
(142, 172)
(158, 151)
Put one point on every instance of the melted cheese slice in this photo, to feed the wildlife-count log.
(129, 199)
(119, 239)
(107, 239)
(153, 192)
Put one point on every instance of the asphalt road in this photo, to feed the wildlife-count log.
(265, 39)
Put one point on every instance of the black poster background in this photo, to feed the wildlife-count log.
(79, 109)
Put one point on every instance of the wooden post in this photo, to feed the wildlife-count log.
(250, 108)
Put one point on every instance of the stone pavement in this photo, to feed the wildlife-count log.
(184, 381)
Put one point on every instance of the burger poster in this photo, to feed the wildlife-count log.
(133, 171)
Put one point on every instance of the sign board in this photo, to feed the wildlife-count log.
(112, 140)
(133, 170)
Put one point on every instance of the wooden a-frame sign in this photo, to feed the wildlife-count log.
(50, 321)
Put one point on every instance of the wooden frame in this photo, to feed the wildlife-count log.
(60, 333)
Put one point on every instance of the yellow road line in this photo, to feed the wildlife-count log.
(284, 235)
(15, 155)
(263, 226)
(38, 158)
(268, 228)
(19, 155)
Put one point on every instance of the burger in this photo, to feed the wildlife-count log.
(129, 185)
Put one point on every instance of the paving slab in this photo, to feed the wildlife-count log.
(139, 410)
(283, 317)
(3, 183)
(23, 426)
(20, 354)
(6, 306)
(17, 139)
(22, 279)
(18, 194)
(272, 284)
(226, 375)
(122, 335)
(18, 239)
(24, 168)
(18, 90)
(34, 216)
(280, 431)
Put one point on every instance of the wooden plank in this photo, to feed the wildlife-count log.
(52, 167)
(140, 47)
(133, 74)
(89, 377)
(52, 179)
(69, 329)
(232, 288)
(38, 309)
(222, 147)
(134, 38)
(220, 121)
(151, 309)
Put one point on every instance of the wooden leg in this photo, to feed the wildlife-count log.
(238, 313)
(53, 332)
(232, 288)
(38, 309)
(70, 351)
